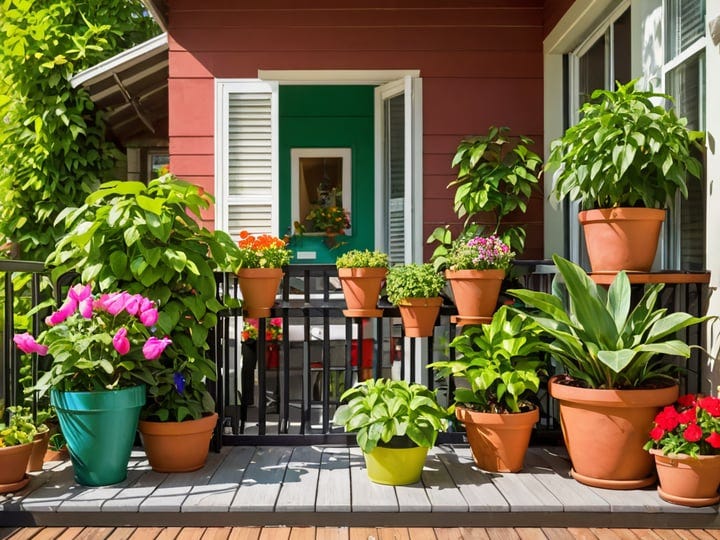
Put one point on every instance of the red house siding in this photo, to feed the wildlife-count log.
(480, 61)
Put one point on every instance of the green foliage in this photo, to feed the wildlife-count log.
(379, 410)
(598, 338)
(144, 239)
(356, 258)
(20, 429)
(52, 140)
(478, 253)
(624, 151)
(57, 442)
(500, 361)
(413, 281)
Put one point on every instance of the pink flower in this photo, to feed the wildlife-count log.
(121, 342)
(27, 344)
(154, 347)
(132, 305)
(79, 292)
(114, 303)
(86, 307)
(692, 433)
(67, 309)
(149, 317)
(713, 440)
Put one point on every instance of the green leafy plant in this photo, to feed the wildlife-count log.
(19, 430)
(391, 413)
(263, 251)
(330, 219)
(500, 361)
(596, 336)
(57, 442)
(626, 150)
(145, 239)
(496, 176)
(413, 281)
(52, 132)
(356, 258)
(99, 343)
(690, 426)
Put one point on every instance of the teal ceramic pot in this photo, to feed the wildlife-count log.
(100, 431)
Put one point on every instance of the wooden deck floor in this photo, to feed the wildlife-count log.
(328, 487)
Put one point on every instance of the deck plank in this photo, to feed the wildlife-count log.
(59, 487)
(245, 533)
(413, 498)
(300, 484)
(260, 485)
(475, 486)
(332, 533)
(393, 533)
(365, 533)
(302, 533)
(218, 494)
(368, 496)
(91, 499)
(333, 488)
(170, 495)
(442, 492)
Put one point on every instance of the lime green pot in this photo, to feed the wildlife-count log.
(99, 428)
(395, 466)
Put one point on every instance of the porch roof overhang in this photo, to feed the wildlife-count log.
(133, 88)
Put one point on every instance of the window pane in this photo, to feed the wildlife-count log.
(395, 174)
(685, 25)
(621, 49)
(591, 71)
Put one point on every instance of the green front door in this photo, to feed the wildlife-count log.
(331, 117)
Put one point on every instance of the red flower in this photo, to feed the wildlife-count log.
(713, 440)
(688, 416)
(710, 404)
(688, 400)
(692, 433)
(668, 418)
(657, 433)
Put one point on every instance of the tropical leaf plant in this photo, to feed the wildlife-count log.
(600, 339)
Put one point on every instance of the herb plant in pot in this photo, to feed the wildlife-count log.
(500, 364)
(616, 379)
(259, 268)
(625, 161)
(685, 441)
(361, 274)
(16, 444)
(103, 356)
(415, 289)
(396, 423)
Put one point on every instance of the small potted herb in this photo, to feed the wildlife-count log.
(361, 274)
(16, 444)
(415, 289)
(396, 423)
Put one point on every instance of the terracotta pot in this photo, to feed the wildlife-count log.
(361, 287)
(177, 446)
(57, 455)
(13, 463)
(475, 291)
(419, 315)
(259, 287)
(687, 480)
(498, 441)
(40, 445)
(621, 238)
(605, 430)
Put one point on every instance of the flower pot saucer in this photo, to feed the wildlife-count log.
(613, 484)
(688, 501)
(362, 313)
(15, 486)
(461, 321)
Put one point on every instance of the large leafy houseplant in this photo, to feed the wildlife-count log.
(146, 239)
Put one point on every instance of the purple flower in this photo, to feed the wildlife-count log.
(121, 342)
(27, 344)
(154, 347)
(179, 382)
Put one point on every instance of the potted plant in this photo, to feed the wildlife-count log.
(415, 289)
(259, 268)
(103, 355)
(57, 448)
(476, 267)
(624, 161)
(329, 221)
(500, 364)
(145, 238)
(16, 443)
(361, 274)
(396, 423)
(496, 177)
(616, 379)
(685, 441)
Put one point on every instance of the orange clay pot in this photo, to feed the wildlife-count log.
(40, 446)
(498, 441)
(361, 287)
(687, 480)
(419, 315)
(259, 287)
(475, 291)
(13, 462)
(605, 430)
(621, 238)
